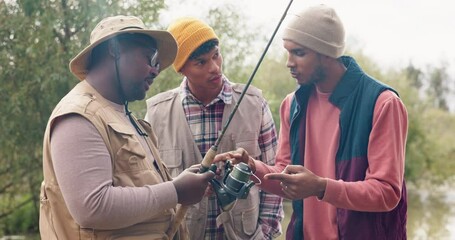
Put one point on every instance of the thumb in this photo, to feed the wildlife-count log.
(208, 175)
(240, 151)
(193, 170)
(293, 169)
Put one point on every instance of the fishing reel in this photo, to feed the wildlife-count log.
(236, 184)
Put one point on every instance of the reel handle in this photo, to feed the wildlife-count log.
(208, 159)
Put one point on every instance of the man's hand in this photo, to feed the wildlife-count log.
(209, 191)
(191, 186)
(297, 182)
(236, 157)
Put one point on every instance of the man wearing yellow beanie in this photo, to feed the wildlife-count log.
(188, 119)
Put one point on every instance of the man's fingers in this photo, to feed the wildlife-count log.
(293, 169)
(276, 176)
(192, 169)
(240, 151)
(234, 155)
(225, 156)
(208, 175)
(220, 157)
(198, 166)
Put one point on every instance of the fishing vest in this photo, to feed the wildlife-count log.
(179, 150)
(131, 168)
(355, 95)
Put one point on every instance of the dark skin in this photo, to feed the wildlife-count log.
(136, 76)
(310, 67)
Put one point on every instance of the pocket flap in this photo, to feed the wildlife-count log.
(121, 128)
(248, 141)
(246, 136)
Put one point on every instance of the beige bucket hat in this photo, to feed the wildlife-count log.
(113, 26)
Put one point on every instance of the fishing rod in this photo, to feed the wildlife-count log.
(210, 155)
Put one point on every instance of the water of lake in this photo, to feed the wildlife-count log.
(431, 212)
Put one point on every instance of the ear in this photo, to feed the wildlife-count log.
(114, 48)
(182, 70)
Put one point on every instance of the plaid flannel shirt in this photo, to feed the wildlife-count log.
(205, 124)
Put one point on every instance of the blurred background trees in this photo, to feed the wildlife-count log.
(38, 38)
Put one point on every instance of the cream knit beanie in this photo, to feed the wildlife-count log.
(318, 28)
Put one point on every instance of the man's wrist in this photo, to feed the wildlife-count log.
(252, 165)
(323, 185)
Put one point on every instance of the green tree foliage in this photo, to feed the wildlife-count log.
(235, 39)
(274, 79)
(438, 88)
(439, 127)
(414, 75)
(430, 153)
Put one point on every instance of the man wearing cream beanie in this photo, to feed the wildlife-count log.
(188, 119)
(342, 138)
(318, 28)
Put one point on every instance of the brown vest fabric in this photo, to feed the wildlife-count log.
(130, 165)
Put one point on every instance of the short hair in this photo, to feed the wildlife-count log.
(204, 48)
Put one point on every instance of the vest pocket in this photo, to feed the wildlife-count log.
(87, 233)
(173, 160)
(248, 141)
(195, 218)
(129, 153)
(246, 213)
(46, 225)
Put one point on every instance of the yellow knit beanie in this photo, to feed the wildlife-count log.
(189, 33)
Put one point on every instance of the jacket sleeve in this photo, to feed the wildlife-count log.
(381, 189)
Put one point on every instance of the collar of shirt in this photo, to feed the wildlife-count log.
(225, 94)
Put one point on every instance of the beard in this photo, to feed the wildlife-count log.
(316, 77)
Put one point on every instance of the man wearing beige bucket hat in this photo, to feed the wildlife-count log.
(188, 120)
(103, 176)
